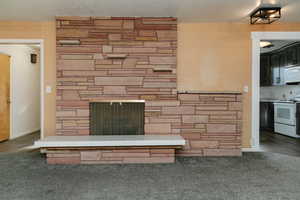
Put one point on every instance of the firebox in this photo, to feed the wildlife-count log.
(117, 118)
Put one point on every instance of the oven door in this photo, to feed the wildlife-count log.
(285, 113)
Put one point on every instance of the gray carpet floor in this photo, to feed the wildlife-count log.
(258, 176)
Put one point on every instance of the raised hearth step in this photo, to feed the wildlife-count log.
(110, 141)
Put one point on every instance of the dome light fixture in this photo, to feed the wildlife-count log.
(265, 15)
(265, 44)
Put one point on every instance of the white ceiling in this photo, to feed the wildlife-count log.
(185, 10)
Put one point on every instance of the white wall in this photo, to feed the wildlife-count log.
(279, 92)
(25, 90)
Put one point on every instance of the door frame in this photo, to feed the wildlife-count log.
(256, 38)
(42, 66)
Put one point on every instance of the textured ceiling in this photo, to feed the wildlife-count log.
(185, 10)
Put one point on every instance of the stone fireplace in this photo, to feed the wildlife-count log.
(128, 58)
(117, 118)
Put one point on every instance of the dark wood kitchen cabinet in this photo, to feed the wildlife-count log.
(275, 69)
(273, 64)
(298, 53)
(282, 64)
(266, 116)
(291, 55)
(265, 70)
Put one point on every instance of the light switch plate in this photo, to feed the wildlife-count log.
(48, 89)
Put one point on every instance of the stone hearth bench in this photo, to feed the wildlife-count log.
(94, 149)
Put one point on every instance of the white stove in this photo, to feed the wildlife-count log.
(287, 117)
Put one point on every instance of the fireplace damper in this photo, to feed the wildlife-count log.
(117, 118)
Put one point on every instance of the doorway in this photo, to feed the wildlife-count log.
(25, 96)
(270, 86)
(4, 97)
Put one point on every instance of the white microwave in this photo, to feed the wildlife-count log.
(292, 74)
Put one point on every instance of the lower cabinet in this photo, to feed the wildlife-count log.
(266, 117)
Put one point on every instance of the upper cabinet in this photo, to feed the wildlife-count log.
(283, 62)
(275, 69)
(265, 70)
(291, 56)
(298, 53)
(273, 64)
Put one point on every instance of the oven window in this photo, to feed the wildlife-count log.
(283, 113)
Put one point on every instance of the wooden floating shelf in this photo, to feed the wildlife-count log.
(152, 110)
(207, 92)
(116, 56)
(69, 42)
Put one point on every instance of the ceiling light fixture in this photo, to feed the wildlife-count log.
(265, 15)
(265, 44)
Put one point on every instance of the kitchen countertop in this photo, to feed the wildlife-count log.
(269, 100)
(276, 101)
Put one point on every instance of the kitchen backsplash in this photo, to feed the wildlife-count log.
(284, 92)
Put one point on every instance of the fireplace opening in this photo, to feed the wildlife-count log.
(117, 118)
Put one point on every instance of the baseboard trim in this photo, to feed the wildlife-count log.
(25, 133)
